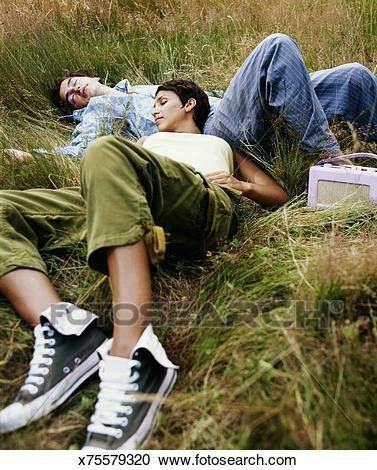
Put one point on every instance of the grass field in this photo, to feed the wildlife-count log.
(277, 346)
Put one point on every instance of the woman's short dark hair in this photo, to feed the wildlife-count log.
(186, 89)
(55, 90)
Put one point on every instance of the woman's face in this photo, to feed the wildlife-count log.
(168, 111)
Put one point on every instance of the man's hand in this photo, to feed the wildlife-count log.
(225, 179)
(17, 154)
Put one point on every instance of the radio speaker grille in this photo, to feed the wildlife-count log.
(332, 192)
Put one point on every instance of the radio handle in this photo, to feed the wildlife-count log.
(351, 156)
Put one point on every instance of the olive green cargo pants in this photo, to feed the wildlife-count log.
(126, 192)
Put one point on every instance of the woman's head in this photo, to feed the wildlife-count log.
(175, 99)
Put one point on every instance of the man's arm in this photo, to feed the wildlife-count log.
(253, 182)
(85, 132)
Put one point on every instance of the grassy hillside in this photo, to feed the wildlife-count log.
(275, 335)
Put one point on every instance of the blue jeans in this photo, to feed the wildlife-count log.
(274, 81)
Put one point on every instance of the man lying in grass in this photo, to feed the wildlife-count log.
(131, 195)
(272, 82)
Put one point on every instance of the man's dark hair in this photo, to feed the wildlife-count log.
(55, 90)
(186, 89)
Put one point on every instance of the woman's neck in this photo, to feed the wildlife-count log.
(188, 127)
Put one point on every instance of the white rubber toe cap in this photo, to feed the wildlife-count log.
(13, 417)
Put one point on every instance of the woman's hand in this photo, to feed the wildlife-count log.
(225, 179)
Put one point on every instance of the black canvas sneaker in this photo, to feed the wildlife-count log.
(64, 356)
(131, 393)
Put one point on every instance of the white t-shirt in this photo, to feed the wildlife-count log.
(206, 153)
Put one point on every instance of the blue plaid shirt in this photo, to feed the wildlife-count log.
(128, 115)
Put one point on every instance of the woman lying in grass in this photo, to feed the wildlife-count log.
(130, 195)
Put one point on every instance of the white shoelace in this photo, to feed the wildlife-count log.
(115, 388)
(37, 372)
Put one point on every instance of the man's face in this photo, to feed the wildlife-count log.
(77, 91)
(168, 111)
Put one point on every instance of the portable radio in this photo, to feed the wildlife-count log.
(331, 185)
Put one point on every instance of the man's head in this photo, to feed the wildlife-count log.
(74, 90)
(175, 100)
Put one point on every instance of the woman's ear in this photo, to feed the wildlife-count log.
(190, 105)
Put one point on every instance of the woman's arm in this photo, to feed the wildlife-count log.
(253, 182)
